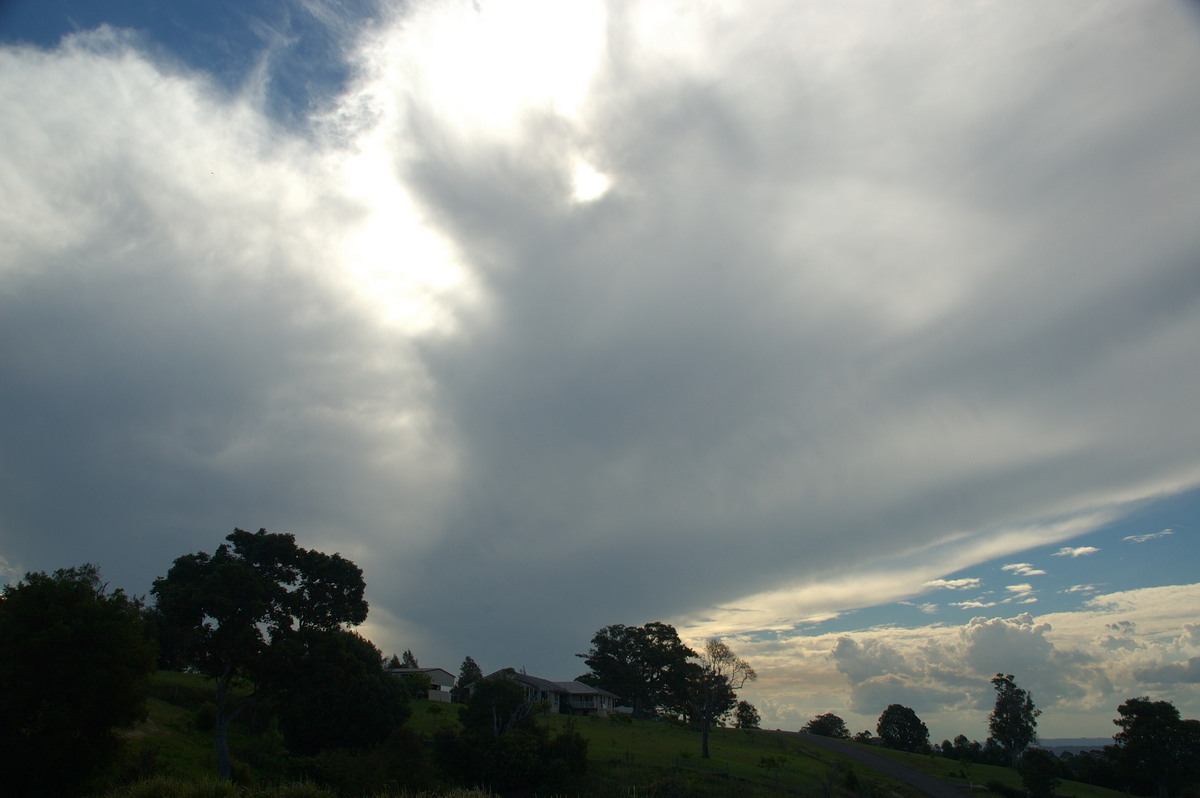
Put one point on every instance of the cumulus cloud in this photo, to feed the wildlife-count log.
(1148, 536)
(607, 326)
(1075, 551)
(965, 583)
(1175, 672)
(1022, 569)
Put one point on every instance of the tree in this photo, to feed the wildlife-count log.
(1155, 747)
(721, 674)
(900, 728)
(646, 665)
(1013, 721)
(74, 659)
(746, 716)
(827, 725)
(327, 690)
(232, 606)
(1040, 772)
(967, 750)
(408, 660)
(468, 674)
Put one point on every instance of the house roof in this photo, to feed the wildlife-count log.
(569, 688)
(579, 688)
(439, 676)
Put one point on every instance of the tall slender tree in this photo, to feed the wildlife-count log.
(721, 674)
(1013, 721)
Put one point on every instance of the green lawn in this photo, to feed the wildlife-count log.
(625, 758)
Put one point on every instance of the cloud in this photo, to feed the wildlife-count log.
(1023, 569)
(1076, 551)
(824, 337)
(1080, 589)
(1176, 672)
(965, 583)
(1148, 536)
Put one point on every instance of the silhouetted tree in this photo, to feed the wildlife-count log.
(746, 716)
(1155, 747)
(827, 725)
(1040, 772)
(468, 673)
(327, 690)
(74, 659)
(1013, 721)
(721, 674)
(409, 660)
(231, 606)
(900, 728)
(646, 665)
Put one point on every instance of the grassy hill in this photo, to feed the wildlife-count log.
(632, 759)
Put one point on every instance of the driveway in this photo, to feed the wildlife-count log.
(927, 785)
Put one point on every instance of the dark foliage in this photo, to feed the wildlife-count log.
(646, 665)
(328, 691)
(1041, 772)
(229, 608)
(746, 716)
(468, 674)
(1013, 720)
(1156, 751)
(827, 725)
(73, 663)
(900, 728)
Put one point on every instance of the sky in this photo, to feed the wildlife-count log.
(862, 335)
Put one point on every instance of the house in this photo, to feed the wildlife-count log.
(440, 681)
(568, 698)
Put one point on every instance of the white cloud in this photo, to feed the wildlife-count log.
(1148, 536)
(965, 583)
(1075, 551)
(1023, 569)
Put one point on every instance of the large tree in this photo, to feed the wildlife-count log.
(721, 674)
(327, 691)
(900, 728)
(827, 725)
(646, 665)
(74, 658)
(1155, 746)
(251, 593)
(1013, 720)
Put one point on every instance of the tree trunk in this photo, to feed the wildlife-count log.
(704, 737)
(224, 763)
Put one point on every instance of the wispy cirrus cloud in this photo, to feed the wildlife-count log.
(1148, 536)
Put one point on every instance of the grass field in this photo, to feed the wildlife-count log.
(627, 759)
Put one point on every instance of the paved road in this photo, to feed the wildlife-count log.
(927, 785)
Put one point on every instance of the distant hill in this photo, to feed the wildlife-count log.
(1061, 745)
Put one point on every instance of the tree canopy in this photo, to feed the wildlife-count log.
(74, 658)
(327, 691)
(1013, 720)
(253, 592)
(1155, 746)
(827, 725)
(721, 673)
(647, 666)
(900, 728)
